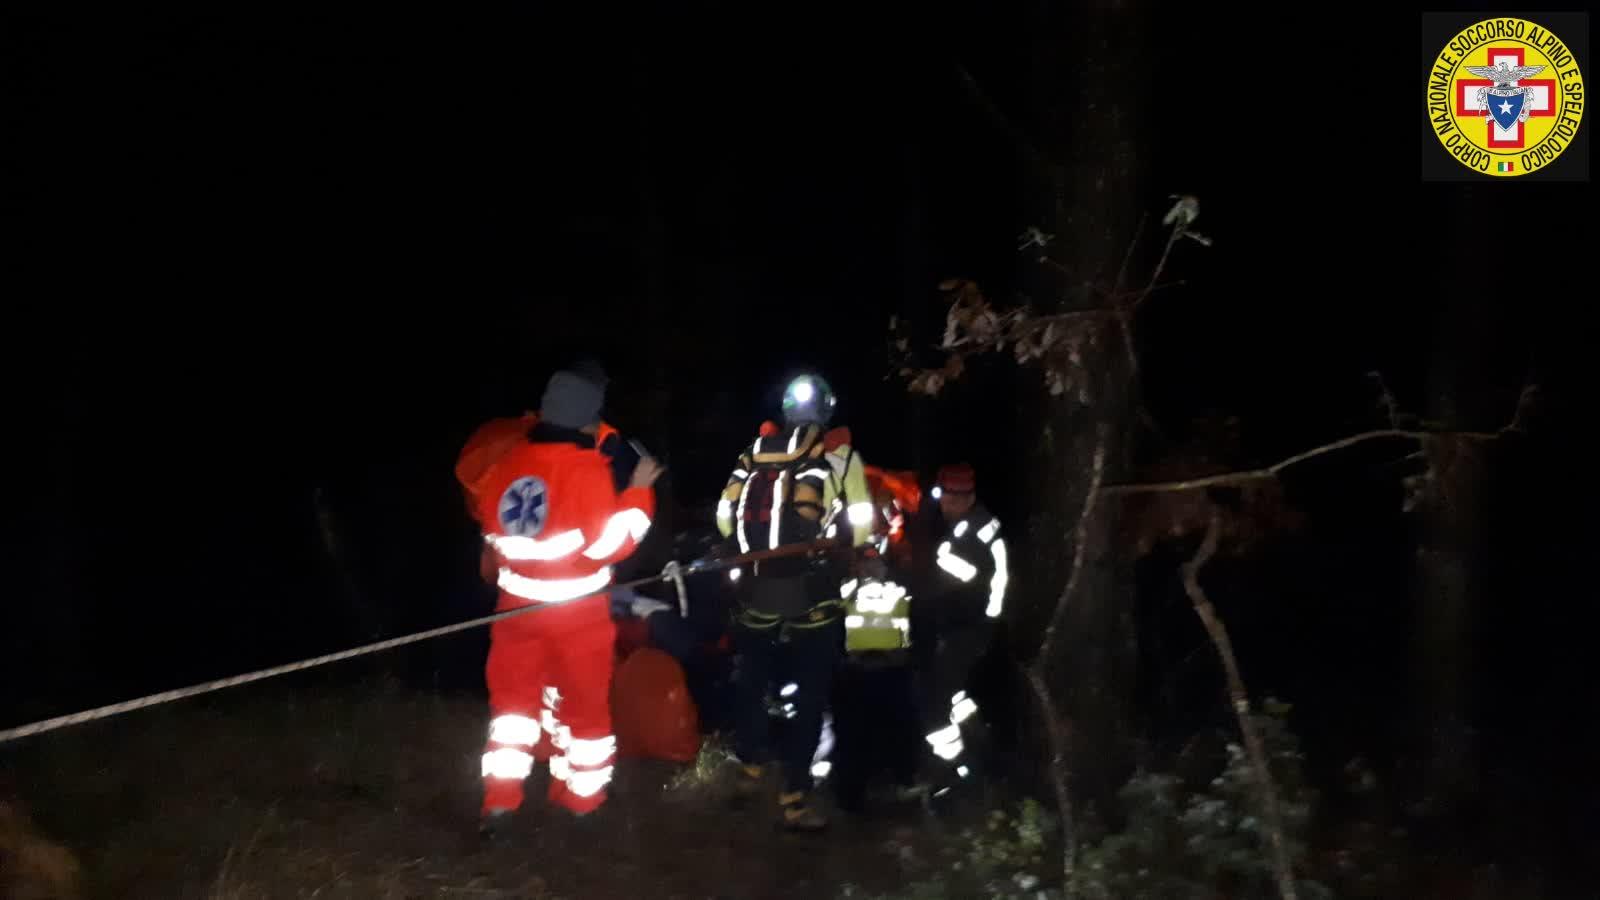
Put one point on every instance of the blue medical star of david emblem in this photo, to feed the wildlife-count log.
(523, 507)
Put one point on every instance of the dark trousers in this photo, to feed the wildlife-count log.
(806, 653)
(949, 669)
(875, 728)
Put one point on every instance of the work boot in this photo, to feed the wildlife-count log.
(750, 781)
(799, 813)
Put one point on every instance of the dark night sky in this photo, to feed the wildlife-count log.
(263, 257)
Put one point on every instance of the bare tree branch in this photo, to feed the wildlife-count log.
(1050, 262)
(1059, 737)
(1125, 312)
(1125, 324)
(1124, 295)
(1116, 296)
(1055, 729)
(1235, 479)
(1161, 265)
(1241, 707)
(1080, 541)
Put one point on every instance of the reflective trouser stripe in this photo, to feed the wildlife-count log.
(588, 782)
(585, 764)
(515, 730)
(508, 763)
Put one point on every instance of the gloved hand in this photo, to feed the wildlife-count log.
(622, 600)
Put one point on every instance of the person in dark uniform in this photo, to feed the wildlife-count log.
(963, 599)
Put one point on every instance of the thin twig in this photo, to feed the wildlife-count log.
(1125, 312)
(1051, 262)
(1127, 341)
(1127, 256)
(1115, 296)
(1161, 265)
(1092, 313)
(1282, 866)
(1125, 324)
(1123, 295)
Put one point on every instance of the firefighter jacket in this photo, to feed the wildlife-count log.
(554, 520)
(972, 571)
(794, 486)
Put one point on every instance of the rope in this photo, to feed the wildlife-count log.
(674, 573)
(126, 706)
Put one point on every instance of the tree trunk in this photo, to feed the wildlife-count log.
(1451, 532)
(1445, 583)
(1089, 88)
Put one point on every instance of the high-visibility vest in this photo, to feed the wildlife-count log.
(877, 616)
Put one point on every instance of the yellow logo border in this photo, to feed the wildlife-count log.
(1447, 67)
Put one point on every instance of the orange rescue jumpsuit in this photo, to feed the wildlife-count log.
(484, 448)
(555, 524)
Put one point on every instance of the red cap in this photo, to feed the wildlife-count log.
(958, 477)
(769, 428)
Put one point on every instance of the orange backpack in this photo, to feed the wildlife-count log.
(651, 710)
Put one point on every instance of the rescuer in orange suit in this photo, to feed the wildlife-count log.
(493, 438)
(555, 523)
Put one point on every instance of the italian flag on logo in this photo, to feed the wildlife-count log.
(1505, 166)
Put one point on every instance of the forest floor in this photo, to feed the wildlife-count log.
(273, 793)
(304, 789)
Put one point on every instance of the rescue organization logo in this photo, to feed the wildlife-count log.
(523, 507)
(1505, 96)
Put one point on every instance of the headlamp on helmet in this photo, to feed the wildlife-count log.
(808, 400)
